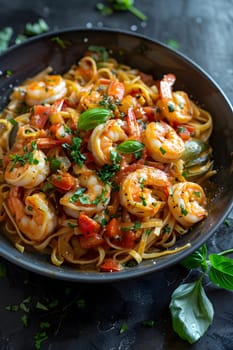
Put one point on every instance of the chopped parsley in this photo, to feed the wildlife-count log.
(173, 44)
(162, 150)
(143, 201)
(24, 320)
(197, 194)
(141, 181)
(109, 170)
(60, 42)
(148, 231)
(100, 51)
(55, 164)
(107, 102)
(171, 106)
(123, 328)
(166, 229)
(23, 159)
(8, 73)
(74, 149)
(227, 223)
(79, 196)
(183, 210)
(12, 307)
(39, 338)
(41, 306)
(81, 303)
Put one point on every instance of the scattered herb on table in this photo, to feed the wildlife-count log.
(173, 44)
(36, 28)
(5, 37)
(31, 29)
(120, 5)
(123, 328)
(148, 323)
(191, 310)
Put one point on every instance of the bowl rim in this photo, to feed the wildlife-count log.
(72, 274)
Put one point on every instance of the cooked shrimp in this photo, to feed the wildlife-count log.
(162, 142)
(136, 191)
(175, 106)
(103, 140)
(47, 90)
(91, 197)
(187, 202)
(34, 216)
(27, 170)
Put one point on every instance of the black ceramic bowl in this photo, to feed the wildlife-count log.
(150, 56)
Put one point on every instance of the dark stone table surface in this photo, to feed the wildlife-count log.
(92, 317)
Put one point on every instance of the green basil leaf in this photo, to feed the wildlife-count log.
(130, 146)
(196, 259)
(221, 271)
(191, 311)
(92, 117)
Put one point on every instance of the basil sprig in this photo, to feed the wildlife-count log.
(130, 146)
(92, 117)
(191, 310)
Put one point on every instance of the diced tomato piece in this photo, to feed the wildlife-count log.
(110, 265)
(128, 239)
(88, 226)
(113, 229)
(116, 89)
(63, 181)
(93, 241)
(89, 157)
(185, 131)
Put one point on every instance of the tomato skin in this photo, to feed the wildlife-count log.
(110, 265)
(113, 229)
(92, 241)
(64, 181)
(88, 226)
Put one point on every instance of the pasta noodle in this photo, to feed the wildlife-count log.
(102, 167)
